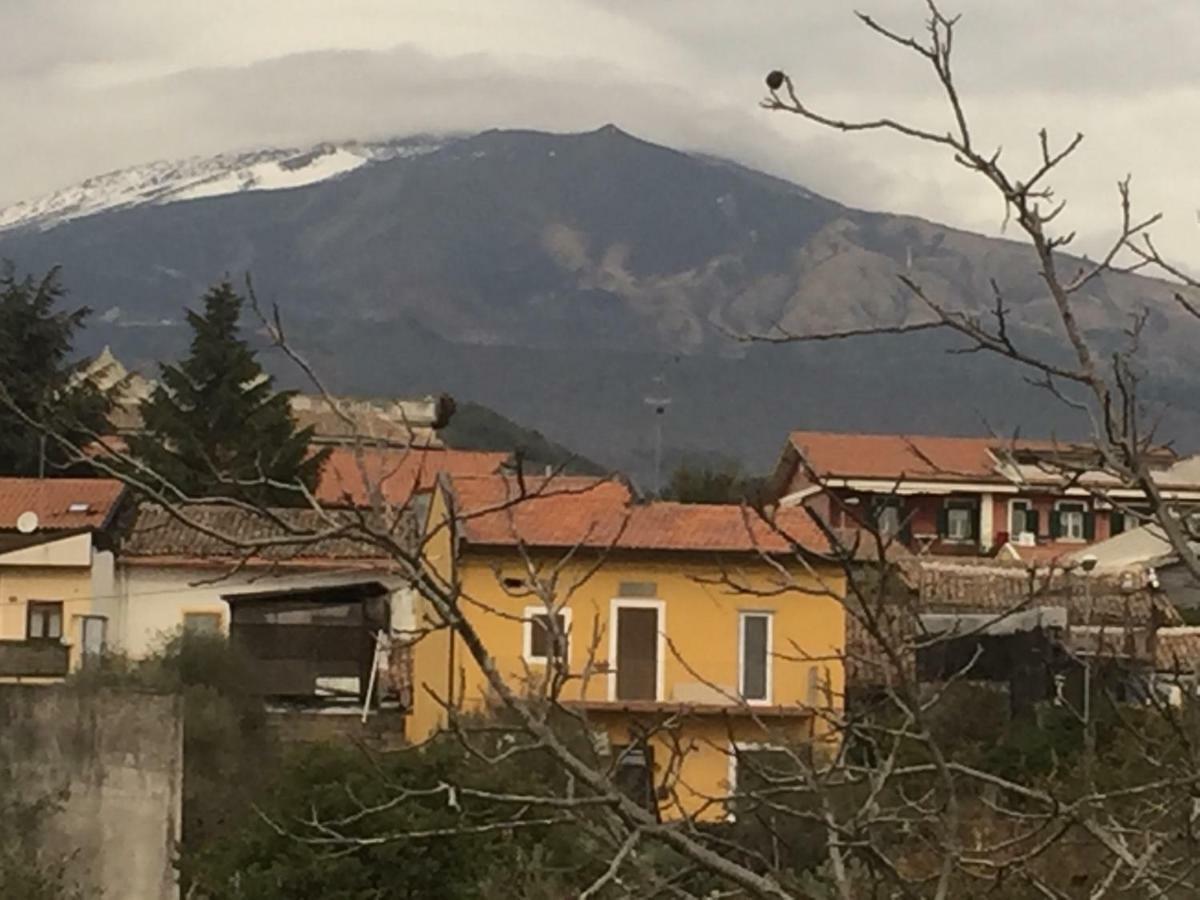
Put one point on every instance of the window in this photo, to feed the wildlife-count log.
(546, 633)
(44, 620)
(1073, 521)
(764, 778)
(754, 653)
(636, 649)
(958, 520)
(887, 520)
(93, 636)
(633, 773)
(202, 623)
(1018, 514)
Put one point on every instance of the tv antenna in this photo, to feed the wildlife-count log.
(658, 400)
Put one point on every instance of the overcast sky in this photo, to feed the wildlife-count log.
(86, 87)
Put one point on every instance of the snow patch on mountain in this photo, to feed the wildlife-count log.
(169, 181)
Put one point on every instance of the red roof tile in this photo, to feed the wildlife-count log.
(892, 455)
(569, 511)
(60, 503)
(397, 471)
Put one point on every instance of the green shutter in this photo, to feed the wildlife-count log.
(1055, 524)
(1089, 526)
(1031, 521)
(1116, 522)
(943, 522)
(975, 524)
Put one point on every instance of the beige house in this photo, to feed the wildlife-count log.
(55, 571)
(316, 616)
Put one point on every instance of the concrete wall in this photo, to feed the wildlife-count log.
(120, 757)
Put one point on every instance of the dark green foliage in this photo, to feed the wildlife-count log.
(723, 483)
(277, 855)
(216, 425)
(39, 377)
(475, 427)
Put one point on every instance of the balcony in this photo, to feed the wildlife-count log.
(34, 659)
(688, 709)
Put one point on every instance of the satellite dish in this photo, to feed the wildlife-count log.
(27, 522)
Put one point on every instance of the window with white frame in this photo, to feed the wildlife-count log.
(1019, 518)
(754, 654)
(759, 775)
(1072, 521)
(547, 635)
(959, 521)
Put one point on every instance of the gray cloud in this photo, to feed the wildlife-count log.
(92, 87)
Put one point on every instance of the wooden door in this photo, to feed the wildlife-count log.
(637, 653)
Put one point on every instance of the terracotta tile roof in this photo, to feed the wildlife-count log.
(939, 458)
(152, 535)
(832, 454)
(568, 511)
(60, 503)
(1177, 650)
(397, 471)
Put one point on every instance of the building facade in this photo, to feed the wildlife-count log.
(1031, 500)
(684, 633)
(55, 566)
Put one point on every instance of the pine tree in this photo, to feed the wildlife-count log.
(40, 381)
(215, 425)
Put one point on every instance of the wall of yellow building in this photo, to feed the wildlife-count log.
(433, 647)
(71, 586)
(701, 622)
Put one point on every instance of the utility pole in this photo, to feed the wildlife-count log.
(659, 400)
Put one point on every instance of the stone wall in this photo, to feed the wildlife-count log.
(119, 756)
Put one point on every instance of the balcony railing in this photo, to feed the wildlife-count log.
(34, 659)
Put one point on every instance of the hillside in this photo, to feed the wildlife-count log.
(560, 279)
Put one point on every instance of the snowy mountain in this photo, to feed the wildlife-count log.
(168, 181)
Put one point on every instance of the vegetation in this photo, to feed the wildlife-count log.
(725, 482)
(226, 746)
(40, 377)
(475, 427)
(216, 425)
(28, 870)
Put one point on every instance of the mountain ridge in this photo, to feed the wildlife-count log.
(559, 279)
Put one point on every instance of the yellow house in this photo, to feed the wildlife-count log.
(52, 572)
(688, 634)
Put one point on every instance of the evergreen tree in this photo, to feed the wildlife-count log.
(215, 425)
(38, 378)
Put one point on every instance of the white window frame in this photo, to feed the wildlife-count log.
(970, 514)
(527, 633)
(1012, 507)
(743, 615)
(888, 520)
(1082, 511)
(618, 603)
(735, 748)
